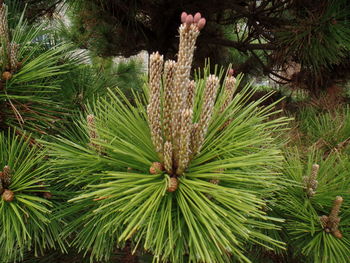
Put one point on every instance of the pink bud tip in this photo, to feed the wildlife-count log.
(189, 20)
(197, 17)
(183, 17)
(201, 23)
(231, 72)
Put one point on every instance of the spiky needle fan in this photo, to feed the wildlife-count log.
(185, 179)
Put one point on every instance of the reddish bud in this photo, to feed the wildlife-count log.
(201, 23)
(183, 17)
(231, 72)
(189, 20)
(197, 17)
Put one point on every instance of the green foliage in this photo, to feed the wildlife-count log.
(304, 232)
(86, 82)
(117, 199)
(328, 130)
(26, 223)
(91, 29)
(320, 38)
(27, 96)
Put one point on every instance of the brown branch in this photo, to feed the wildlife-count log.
(269, 70)
(241, 46)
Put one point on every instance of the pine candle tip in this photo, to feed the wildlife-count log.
(183, 17)
(189, 20)
(197, 17)
(231, 72)
(201, 23)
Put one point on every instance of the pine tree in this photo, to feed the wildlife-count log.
(271, 36)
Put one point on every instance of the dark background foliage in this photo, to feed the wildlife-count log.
(266, 35)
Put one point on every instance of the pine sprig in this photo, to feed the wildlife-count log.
(126, 193)
(26, 218)
(308, 228)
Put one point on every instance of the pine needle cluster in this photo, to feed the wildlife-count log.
(140, 177)
(316, 207)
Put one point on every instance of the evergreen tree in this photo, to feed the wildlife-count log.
(270, 36)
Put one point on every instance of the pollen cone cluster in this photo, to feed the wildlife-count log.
(331, 223)
(175, 136)
(8, 50)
